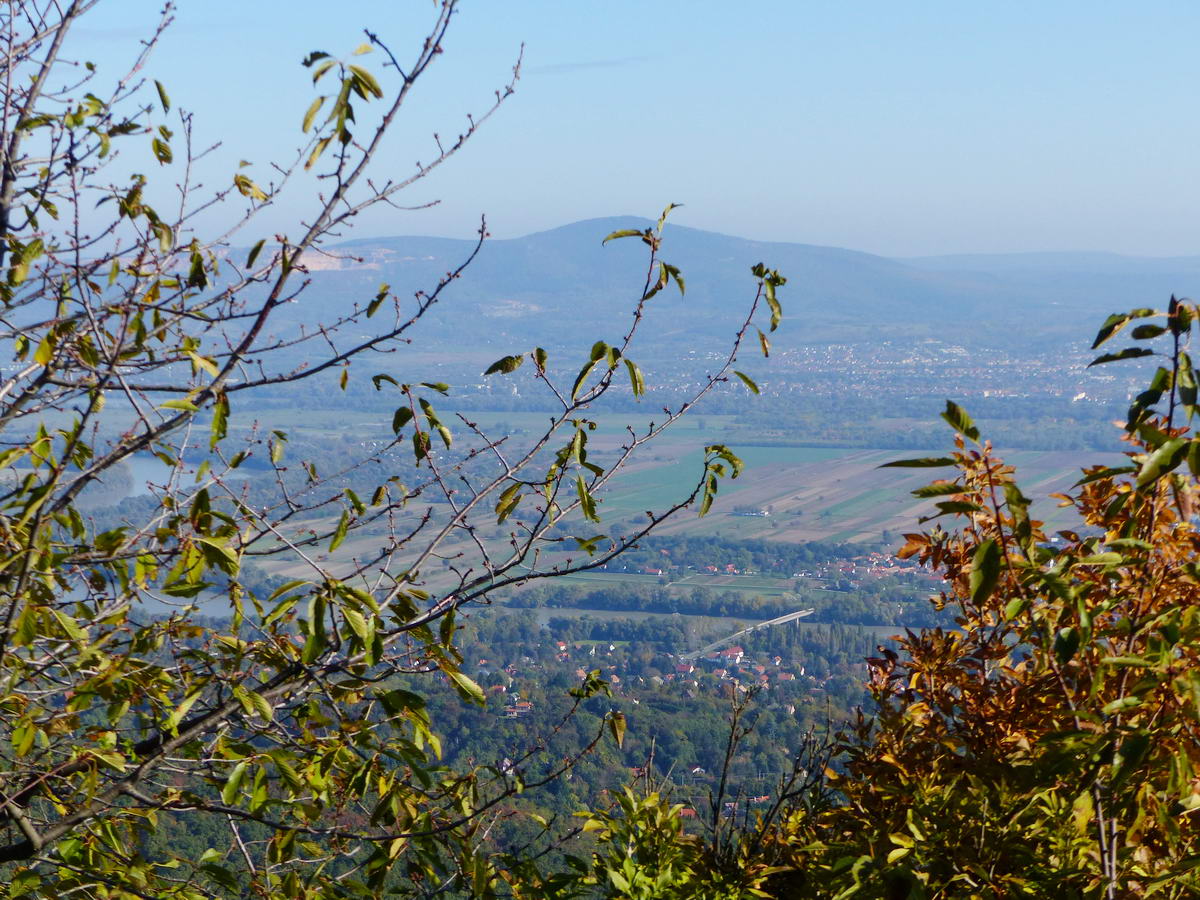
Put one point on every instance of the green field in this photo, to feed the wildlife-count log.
(810, 493)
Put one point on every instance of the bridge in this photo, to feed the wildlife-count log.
(716, 645)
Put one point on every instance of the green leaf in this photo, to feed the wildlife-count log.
(509, 498)
(166, 237)
(1163, 460)
(316, 642)
(616, 725)
(317, 150)
(662, 220)
(953, 507)
(162, 151)
(1111, 326)
(925, 462)
(367, 80)
(162, 96)
(421, 445)
(45, 351)
(1120, 705)
(746, 380)
(254, 251)
(591, 685)
(1132, 543)
(1147, 332)
(1117, 321)
(234, 783)
(284, 588)
(467, 688)
(339, 533)
(401, 417)
(504, 365)
(586, 502)
(938, 489)
(311, 114)
(583, 374)
(773, 305)
(958, 419)
(985, 571)
(1066, 643)
(1015, 607)
(589, 545)
(1106, 472)
(623, 233)
(248, 188)
(358, 624)
(220, 420)
(24, 259)
(262, 706)
(958, 506)
(1127, 353)
(183, 405)
(197, 275)
(636, 382)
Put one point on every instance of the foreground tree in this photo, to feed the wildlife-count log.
(1049, 745)
(292, 729)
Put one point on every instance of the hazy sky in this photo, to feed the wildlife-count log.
(897, 128)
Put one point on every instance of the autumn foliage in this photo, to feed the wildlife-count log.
(1047, 745)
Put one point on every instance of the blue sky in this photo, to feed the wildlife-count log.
(902, 129)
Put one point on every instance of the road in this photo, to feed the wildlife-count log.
(781, 620)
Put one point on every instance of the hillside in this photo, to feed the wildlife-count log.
(520, 291)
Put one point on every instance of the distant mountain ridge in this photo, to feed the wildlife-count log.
(538, 288)
(1051, 261)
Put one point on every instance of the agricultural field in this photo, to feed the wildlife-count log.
(791, 494)
(824, 494)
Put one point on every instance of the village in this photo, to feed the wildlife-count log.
(630, 672)
(852, 571)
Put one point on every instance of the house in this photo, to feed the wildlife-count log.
(732, 655)
(519, 709)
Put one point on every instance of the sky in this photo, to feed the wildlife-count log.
(902, 129)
